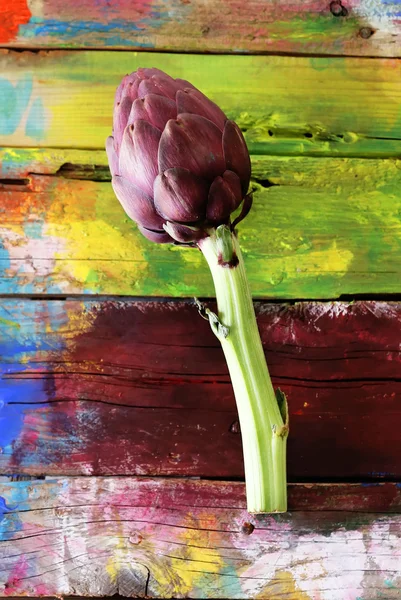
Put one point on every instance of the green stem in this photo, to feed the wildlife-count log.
(262, 415)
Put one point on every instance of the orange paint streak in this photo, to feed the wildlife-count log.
(13, 14)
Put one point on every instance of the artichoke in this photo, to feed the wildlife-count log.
(179, 166)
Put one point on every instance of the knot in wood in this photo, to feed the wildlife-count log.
(337, 9)
(135, 538)
(366, 32)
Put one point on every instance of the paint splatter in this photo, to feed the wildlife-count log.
(30, 425)
(20, 107)
(13, 15)
(70, 29)
(19, 571)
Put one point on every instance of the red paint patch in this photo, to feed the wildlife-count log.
(13, 14)
(99, 11)
(13, 582)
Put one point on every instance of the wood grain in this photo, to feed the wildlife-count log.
(285, 104)
(174, 538)
(79, 376)
(319, 228)
(356, 27)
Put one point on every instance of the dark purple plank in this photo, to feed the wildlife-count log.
(141, 387)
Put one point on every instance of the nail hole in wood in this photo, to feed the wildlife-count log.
(247, 528)
(234, 427)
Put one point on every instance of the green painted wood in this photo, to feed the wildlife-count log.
(285, 105)
(319, 228)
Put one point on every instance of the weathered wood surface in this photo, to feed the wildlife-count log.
(319, 228)
(285, 105)
(354, 27)
(142, 388)
(173, 538)
(20, 163)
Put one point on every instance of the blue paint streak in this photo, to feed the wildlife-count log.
(19, 343)
(394, 4)
(370, 484)
(23, 391)
(68, 30)
(13, 286)
(20, 495)
(14, 102)
(4, 508)
(4, 257)
(24, 398)
(10, 522)
(36, 123)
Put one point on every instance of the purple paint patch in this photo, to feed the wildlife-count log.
(4, 509)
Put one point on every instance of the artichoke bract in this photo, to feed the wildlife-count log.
(179, 166)
(180, 169)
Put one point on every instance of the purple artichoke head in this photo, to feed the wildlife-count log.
(179, 166)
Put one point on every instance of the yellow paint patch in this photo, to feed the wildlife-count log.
(119, 555)
(9, 323)
(112, 569)
(195, 561)
(99, 242)
(312, 264)
(97, 238)
(283, 586)
(330, 260)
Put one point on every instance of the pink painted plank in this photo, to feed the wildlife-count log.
(351, 27)
(140, 387)
(159, 538)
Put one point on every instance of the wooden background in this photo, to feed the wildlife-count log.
(120, 452)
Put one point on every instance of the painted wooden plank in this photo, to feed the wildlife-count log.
(354, 27)
(285, 105)
(193, 539)
(19, 163)
(77, 376)
(326, 227)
